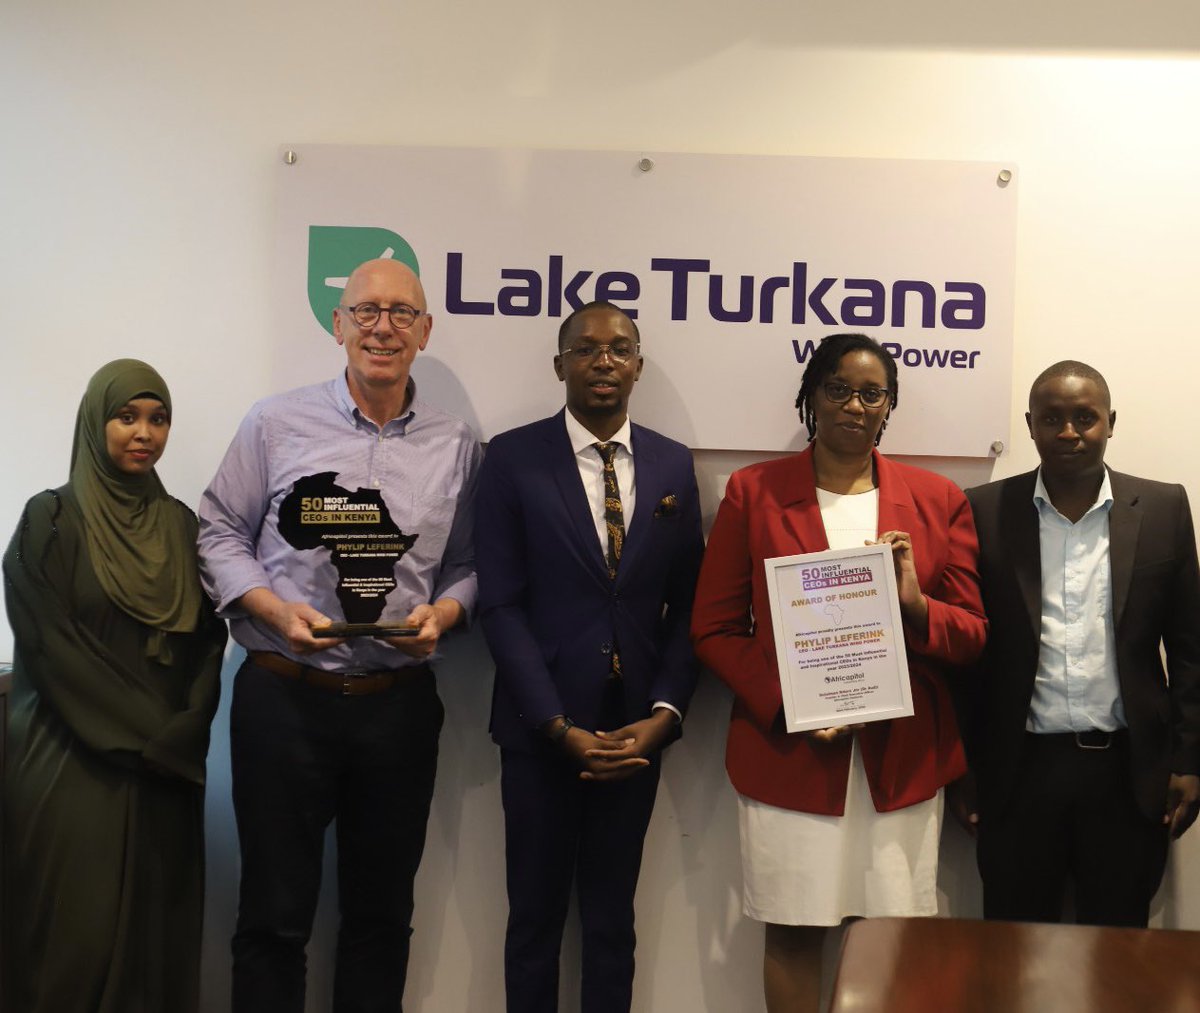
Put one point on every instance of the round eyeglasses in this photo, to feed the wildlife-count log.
(869, 397)
(366, 314)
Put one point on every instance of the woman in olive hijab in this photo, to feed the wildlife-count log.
(115, 682)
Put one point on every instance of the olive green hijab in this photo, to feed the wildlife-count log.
(142, 555)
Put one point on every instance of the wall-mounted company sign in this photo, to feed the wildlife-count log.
(733, 266)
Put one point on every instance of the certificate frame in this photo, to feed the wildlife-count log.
(839, 637)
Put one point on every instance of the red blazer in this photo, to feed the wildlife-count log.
(771, 510)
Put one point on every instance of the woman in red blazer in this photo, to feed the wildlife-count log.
(840, 822)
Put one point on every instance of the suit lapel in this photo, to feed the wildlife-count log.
(1022, 543)
(799, 490)
(896, 508)
(570, 487)
(1124, 524)
(646, 477)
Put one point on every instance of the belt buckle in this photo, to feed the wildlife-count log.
(347, 679)
(1098, 749)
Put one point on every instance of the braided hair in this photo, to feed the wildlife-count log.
(824, 363)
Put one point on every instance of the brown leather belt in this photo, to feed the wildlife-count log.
(345, 683)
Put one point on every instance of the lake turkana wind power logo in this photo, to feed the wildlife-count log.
(336, 250)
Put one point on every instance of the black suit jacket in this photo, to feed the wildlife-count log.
(1155, 600)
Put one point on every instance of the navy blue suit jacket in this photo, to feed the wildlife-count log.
(549, 611)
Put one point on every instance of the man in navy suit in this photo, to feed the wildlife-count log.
(588, 542)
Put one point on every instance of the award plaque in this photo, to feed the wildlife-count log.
(340, 630)
(354, 529)
(839, 637)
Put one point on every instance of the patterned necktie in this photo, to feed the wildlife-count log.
(614, 521)
(614, 515)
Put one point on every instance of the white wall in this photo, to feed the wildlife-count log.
(136, 167)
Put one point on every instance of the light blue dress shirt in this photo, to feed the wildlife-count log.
(1076, 687)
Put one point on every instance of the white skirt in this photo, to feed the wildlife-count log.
(807, 869)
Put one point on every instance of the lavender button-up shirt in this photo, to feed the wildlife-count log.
(423, 465)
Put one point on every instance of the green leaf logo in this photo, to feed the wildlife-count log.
(336, 250)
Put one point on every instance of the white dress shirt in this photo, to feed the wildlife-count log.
(591, 471)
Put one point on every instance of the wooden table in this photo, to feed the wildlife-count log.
(951, 965)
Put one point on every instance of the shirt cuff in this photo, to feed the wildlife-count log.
(465, 591)
(674, 710)
(232, 584)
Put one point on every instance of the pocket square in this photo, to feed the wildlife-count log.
(668, 506)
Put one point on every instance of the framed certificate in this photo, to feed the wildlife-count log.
(839, 637)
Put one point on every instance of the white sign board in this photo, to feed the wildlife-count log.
(733, 266)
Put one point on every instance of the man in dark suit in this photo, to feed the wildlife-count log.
(588, 542)
(1086, 755)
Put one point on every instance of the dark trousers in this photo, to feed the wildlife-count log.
(561, 832)
(1072, 819)
(301, 757)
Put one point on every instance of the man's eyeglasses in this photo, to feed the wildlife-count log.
(366, 314)
(619, 351)
(869, 397)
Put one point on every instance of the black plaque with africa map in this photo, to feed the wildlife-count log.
(356, 529)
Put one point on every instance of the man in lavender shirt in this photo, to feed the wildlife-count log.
(347, 500)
